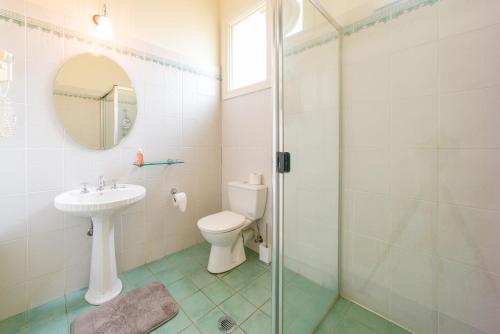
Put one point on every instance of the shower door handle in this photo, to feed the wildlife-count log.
(283, 162)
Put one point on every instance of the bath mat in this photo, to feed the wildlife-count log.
(138, 312)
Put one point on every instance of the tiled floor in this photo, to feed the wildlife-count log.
(243, 293)
(348, 318)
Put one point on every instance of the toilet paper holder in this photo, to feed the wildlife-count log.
(173, 191)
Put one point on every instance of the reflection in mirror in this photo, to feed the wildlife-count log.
(95, 101)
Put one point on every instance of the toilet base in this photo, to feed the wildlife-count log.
(223, 259)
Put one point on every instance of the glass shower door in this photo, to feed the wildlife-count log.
(310, 196)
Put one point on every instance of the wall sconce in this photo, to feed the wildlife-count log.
(104, 26)
(8, 117)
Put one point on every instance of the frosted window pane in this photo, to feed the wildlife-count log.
(249, 50)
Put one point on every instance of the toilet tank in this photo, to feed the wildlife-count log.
(246, 199)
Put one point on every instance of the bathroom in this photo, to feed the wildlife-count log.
(250, 166)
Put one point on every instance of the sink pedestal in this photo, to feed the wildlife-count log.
(104, 282)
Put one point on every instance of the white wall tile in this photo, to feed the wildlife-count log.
(14, 300)
(411, 30)
(466, 177)
(470, 119)
(372, 215)
(13, 224)
(414, 122)
(13, 267)
(15, 183)
(455, 15)
(470, 60)
(44, 170)
(46, 253)
(45, 288)
(42, 216)
(414, 71)
(366, 125)
(414, 173)
(469, 236)
(366, 170)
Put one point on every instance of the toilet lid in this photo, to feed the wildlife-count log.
(221, 222)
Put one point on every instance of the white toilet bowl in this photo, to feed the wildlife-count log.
(223, 231)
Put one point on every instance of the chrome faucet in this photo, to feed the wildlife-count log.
(101, 183)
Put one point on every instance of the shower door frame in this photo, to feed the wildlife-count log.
(279, 146)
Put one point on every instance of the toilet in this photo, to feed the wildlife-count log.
(223, 230)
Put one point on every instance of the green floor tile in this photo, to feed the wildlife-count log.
(161, 265)
(188, 266)
(46, 312)
(75, 299)
(255, 294)
(13, 324)
(251, 268)
(264, 280)
(182, 289)
(191, 330)
(238, 308)
(202, 278)
(174, 325)
(394, 329)
(136, 275)
(258, 323)
(208, 323)
(169, 276)
(349, 326)
(81, 309)
(58, 325)
(367, 318)
(267, 307)
(197, 305)
(218, 291)
(236, 279)
(335, 316)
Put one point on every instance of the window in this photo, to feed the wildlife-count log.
(247, 53)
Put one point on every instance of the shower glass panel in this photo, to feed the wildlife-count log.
(310, 67)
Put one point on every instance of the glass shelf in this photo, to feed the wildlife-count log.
(160, 163)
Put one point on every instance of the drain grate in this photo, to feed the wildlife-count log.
(226, 324)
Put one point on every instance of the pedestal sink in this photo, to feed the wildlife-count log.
(100, 205)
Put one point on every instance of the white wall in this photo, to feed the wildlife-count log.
(246, 131)
(189, 27)
(421, 156)
(44, 253)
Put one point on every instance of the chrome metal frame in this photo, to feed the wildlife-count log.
(278, 146)
(277, 179)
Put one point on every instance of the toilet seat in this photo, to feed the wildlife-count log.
(221, 222)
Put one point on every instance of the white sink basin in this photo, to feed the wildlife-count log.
(99, 202)
(100, 206)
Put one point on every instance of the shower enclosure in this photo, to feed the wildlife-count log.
(387, 212)
(308, 195)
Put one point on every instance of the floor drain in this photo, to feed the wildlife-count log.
(226, 324)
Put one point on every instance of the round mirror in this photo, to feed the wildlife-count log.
(95, 101)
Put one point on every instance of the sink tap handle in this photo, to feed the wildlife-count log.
(101, 183)
(114, 186)
(84, 187)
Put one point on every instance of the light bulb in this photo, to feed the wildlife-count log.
(104, 28)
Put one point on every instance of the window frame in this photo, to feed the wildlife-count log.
(227, 92)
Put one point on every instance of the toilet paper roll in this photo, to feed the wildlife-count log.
(255, 178)
(179, 200)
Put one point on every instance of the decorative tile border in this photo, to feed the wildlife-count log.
(382, 15)
(32, 23)
(387, 13)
